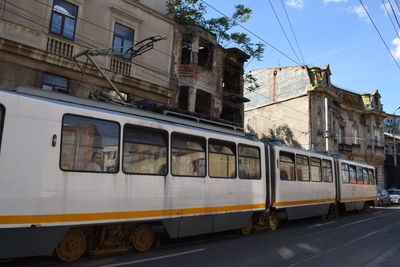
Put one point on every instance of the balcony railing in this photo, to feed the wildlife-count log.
(120, 66)
(345, 148)
(59, 47)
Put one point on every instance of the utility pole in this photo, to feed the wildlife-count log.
(394, 139)
(326, 125)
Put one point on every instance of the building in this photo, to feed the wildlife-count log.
(184, 70)
(39, 38)
(392, 166)
(390, 122)
(209, 78)
(293, 99)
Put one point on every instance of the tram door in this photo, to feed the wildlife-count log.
(2, 113)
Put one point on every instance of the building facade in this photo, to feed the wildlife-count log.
(294, 98)
(39, 38)
(185, 69)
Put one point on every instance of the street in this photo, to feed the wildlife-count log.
(354, 239)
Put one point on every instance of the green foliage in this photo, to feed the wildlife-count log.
(192, 12)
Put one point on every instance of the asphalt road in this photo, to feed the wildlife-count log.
(355, 239)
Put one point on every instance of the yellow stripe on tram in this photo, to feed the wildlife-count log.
(301, 202)
(54, 218)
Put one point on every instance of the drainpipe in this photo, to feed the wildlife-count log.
(394, 139)
(326, 125)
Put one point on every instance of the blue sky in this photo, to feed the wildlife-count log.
(334, 32)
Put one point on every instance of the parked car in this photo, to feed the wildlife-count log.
(383, 198)
(394, 196)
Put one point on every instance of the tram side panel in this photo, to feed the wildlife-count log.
(357, 185)
(304, 183)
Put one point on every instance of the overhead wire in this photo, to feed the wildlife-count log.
(283, 30)
(294, 35)
(252, 33)
(380, 35)
(394, 13)
(387, 11)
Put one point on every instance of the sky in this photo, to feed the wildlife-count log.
(337, 33)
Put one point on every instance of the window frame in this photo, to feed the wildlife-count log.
(309, 174)
(2, 117)
(95, 118)
(63, 21)
(320, 169)
(358, 167)
(235, 154)
(259, 159)
(123, 40)
(347, 170)
(294, 165)
(52, 85)
(331, 168)
(205, 154)
(165, 135)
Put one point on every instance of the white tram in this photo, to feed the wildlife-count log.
(80, 176)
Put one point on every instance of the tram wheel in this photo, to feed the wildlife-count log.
(273, 220)
(333, 211)
(143, 237)
(248, 228)
(72, 246)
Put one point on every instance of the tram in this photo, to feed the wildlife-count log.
(81, 176)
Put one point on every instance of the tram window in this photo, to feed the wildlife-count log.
(345, 173)
(371, 176)
(352, 172)
(2, 113)
(302, 168)
(145, 151)
(249, 162)
(365, 176)
(89, 145)
(359, 175)
(327, 171)
(188, 155)
(315, 169)
(221, 159)
(286, 164)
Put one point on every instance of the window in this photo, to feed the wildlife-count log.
(302, 168)
(355, 136)
(345, 173)
(205, 56)
(222, 159)
(249, 162)
(186, 50)
(353, 175)
(89, 145)
(371, 176)
(341, 135)
(51, 82)
(123, 40)
(188, 155)
(145, 151)
(327, 175)
(203, 102)
(359, 175)
(2, 113)
(365, 176)
(184, 97)
(315, 169)
(63, 19)
(286, 165)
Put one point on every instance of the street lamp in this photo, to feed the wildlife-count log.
(394, 140)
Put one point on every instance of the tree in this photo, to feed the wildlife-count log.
(192, 12)
(284, 134)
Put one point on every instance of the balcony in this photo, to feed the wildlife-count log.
(59, 47)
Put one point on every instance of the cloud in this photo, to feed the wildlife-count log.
(396, 50)
(360, 12)
(295, 3)
(334, 1)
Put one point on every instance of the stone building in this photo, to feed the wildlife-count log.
(294, 97)
(209, 78)
(390, 122)
(39, 38)
(187, 70)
